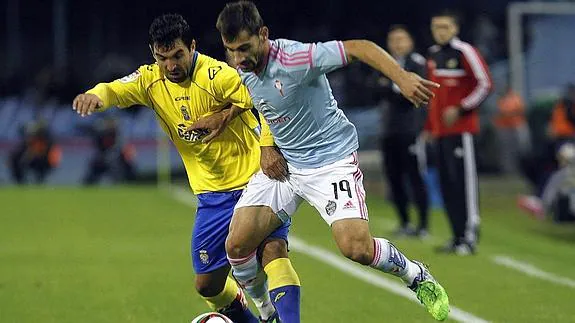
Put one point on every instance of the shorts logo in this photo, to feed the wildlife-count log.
(330, 208)
(204, 257)
(349, 205)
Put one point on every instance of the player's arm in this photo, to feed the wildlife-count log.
(125, 92)
(474, 65)
(412, 86)
(226, 86)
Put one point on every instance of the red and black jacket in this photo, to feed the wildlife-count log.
(465, 83)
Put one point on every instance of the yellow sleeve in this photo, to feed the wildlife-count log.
(125, 92)
(227, 86)
(266, 138)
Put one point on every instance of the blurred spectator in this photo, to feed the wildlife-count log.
(562, 126)
(36, 153)
(558, 201)
(512, 129)
(112, 157)
(401, 150)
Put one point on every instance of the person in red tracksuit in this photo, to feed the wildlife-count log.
(452, 123)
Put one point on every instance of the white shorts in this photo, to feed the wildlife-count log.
(335, 190)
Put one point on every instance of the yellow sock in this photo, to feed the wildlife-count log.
(281, 273)
(225, 298)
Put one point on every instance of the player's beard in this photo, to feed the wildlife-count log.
(178, 77)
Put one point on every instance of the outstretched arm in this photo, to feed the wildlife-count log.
(412, 86)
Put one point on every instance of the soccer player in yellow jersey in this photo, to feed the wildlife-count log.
(181, 87)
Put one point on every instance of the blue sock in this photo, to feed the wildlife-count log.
(284, 286)
(286, 300)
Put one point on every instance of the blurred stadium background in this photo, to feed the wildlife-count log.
(120, 253)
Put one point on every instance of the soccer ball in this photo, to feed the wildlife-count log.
(212, 317)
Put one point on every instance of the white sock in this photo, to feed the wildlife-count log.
(253, 280)
(390, 260)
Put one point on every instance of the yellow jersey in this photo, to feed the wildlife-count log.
(227, 162)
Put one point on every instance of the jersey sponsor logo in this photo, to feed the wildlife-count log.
(212, 71)
(130, 78)
(278, 120)
(185, 113)
(330, 208)
(204, 257)
(190, 136)
(180, 98)
(268, 111)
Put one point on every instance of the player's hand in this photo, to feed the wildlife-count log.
(273, 163)
(416, 89)
(450, 116)
(86, 103)
(215, 123)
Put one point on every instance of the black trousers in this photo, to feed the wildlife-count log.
(403, 165)
(459, 185)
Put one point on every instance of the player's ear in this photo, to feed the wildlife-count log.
(151, 50)
(264, 33)
(193, 46)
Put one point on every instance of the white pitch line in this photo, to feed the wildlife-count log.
(347, 266)
(530, 270)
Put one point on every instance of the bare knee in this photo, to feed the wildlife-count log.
(208, 287)
(358, 251)
(236, 248)
(273, 249)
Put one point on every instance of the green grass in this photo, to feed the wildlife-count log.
(122, 255)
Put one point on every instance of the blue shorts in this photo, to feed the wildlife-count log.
(211, 228)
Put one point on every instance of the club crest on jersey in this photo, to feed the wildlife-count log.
(330, 208)
(185, 113)
(130, 78)
(278, 85)
(204, 257)
(452, 63)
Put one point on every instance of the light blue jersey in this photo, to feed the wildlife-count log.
(295, 98)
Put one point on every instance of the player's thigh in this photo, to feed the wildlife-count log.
(263, 210)
(211, 227)
(336, 190)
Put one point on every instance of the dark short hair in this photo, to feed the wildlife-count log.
(239, 16)
(167, 28)
(448, 13)
(398, 27)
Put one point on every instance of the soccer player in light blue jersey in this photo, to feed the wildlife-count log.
(288, 85)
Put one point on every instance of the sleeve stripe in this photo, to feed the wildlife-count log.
(342, 53)
(292, 59)
(483, 82)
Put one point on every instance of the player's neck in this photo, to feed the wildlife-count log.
(264, 60)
